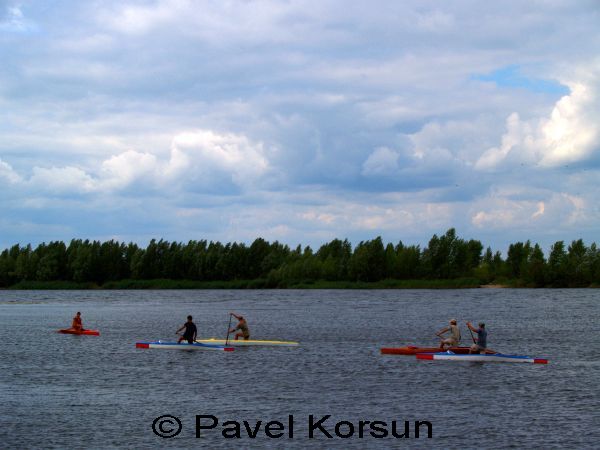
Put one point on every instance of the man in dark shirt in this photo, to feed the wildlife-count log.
(190, 331)
(481, 344)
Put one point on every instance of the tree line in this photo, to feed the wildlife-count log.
(446, 257)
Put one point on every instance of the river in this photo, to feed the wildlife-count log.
(64, 391)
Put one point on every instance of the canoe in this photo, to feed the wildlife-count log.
(182, 346)
(497, 357)
(80, 332)
(248, 343)
(413, 350)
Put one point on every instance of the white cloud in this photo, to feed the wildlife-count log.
(319, 217)
(517, 132)
(205, 152)
(8, 174)
(13, 19)
(199, 158)
(134, 19)
(121, 170)
(500, 217)
(540, 210)
(382, 161)
(61, 180)
(503, 210)
(343, 216)
(570, 134)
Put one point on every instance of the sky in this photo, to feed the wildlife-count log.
(299, 121)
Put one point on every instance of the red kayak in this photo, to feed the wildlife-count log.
(80, 332)
(413, 350)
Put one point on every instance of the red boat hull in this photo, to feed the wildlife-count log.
(413, 350)
(80, 332)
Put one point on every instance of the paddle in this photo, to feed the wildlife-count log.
(439, 335)
(228, 328)
(472, 337)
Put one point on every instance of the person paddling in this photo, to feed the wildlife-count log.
(481, 344)
(190, 331)
(242, 326)
(77, 324)
(454, 339)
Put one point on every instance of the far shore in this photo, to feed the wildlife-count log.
(459, 283)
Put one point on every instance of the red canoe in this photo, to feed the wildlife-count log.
(81, 332)
(413, 350)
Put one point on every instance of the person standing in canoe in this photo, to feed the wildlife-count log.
(77, 324)
(190, 331)
(451, 341)
(481, 344)
(242, 326)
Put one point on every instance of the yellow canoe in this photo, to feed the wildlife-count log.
(248, 343)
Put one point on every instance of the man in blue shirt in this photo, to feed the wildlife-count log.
(481, 344)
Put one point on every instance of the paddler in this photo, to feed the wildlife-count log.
(77, 324)
(454, 339)
(242, 326)
(481, 344)
(190, 331)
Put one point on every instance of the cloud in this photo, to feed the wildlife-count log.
(572, 131)
(501, 211)
(569, 135)
(122, 170)
(517, 132)
(7, 174)
(13, 20)
(540, 210)
(204, 154)
(135, 19)
(382, 161)
(198, 160)
(61, 180)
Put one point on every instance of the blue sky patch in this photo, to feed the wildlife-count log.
(512, 77)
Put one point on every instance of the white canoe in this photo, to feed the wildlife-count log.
(476, 357)
(248, 343)
(182, 346)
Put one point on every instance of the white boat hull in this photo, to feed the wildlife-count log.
(182, 346)
(247, 343)
(476, 357)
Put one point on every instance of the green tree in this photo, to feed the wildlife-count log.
(558, 267)
(535, 272)
(408, 262)
(578, 265)
(335, 258)
(368, 261)
(518, 255)
(26, 264)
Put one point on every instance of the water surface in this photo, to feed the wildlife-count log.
(59, 391)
